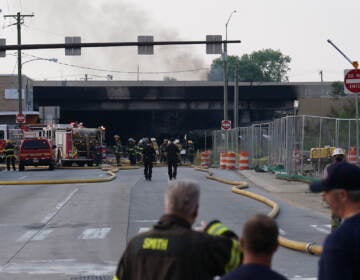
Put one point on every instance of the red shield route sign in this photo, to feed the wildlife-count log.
(225, 124)
(20, 118)
(352, 81)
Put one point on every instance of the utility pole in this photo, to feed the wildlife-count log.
(225, 69)
(19, 20)
(236, 97)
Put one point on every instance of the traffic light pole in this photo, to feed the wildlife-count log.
(107, 44)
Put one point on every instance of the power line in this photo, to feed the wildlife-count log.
(127, 72)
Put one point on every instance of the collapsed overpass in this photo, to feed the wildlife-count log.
(166, 108)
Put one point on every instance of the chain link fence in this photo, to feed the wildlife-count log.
(298, 144)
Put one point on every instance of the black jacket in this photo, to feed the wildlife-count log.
(149, 154)
(172, 250)
(172, 152)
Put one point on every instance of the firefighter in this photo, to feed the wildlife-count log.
(98, 154)
(190, 151)
(149, 156)
(173, 250)
(140, 147)
(172, 155)
(163, 150)
(337, 156)
(132, 150)
(156, 148)
(118, 149)
(10, 155)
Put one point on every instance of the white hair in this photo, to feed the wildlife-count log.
(182, 197)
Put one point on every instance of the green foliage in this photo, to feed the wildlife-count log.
(337, 89)
(260, 66)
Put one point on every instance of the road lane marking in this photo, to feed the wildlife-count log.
(282, 232)
(146, 221)
(58, 206)
(61, 266)
(303, 278)
(34, 235)
(42, 235)
(143, 229)
(27, 236)
(94, 233)
(322, 228)
(22, 177)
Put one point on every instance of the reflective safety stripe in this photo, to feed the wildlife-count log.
(155, 244)
(217, 229)
(115, 278)
(235, 256)
(10, 156)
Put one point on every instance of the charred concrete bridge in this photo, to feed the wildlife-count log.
(166, 108)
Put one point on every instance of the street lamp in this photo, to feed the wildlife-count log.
(20, 64)
(40, 58)
(225, 69)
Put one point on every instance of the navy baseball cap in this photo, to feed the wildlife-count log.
(341, 175)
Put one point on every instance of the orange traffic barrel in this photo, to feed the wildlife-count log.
(231, 161)
(205, 159)
(244, 160)
(228, 160)
(222, 161)
(352, 156)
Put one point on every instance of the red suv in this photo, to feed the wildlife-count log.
(36, 152)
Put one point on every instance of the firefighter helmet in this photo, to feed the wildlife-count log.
(337, 152)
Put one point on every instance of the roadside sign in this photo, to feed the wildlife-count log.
(146, 49)
(213, 44)
(2, 43)
(72, 50)
(352, 81)
(20, 118)
(225, 124)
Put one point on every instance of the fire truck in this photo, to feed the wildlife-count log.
(76, 144)
(73, 143)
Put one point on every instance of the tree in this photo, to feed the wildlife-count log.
(337, 89)
(260, 66)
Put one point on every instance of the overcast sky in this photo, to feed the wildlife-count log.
(298, 28)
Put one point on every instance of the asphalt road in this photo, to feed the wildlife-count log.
(74, 231)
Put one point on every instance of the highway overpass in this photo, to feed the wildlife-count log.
(166, 108)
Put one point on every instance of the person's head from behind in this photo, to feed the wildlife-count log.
(182, 199)
(260, 238)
